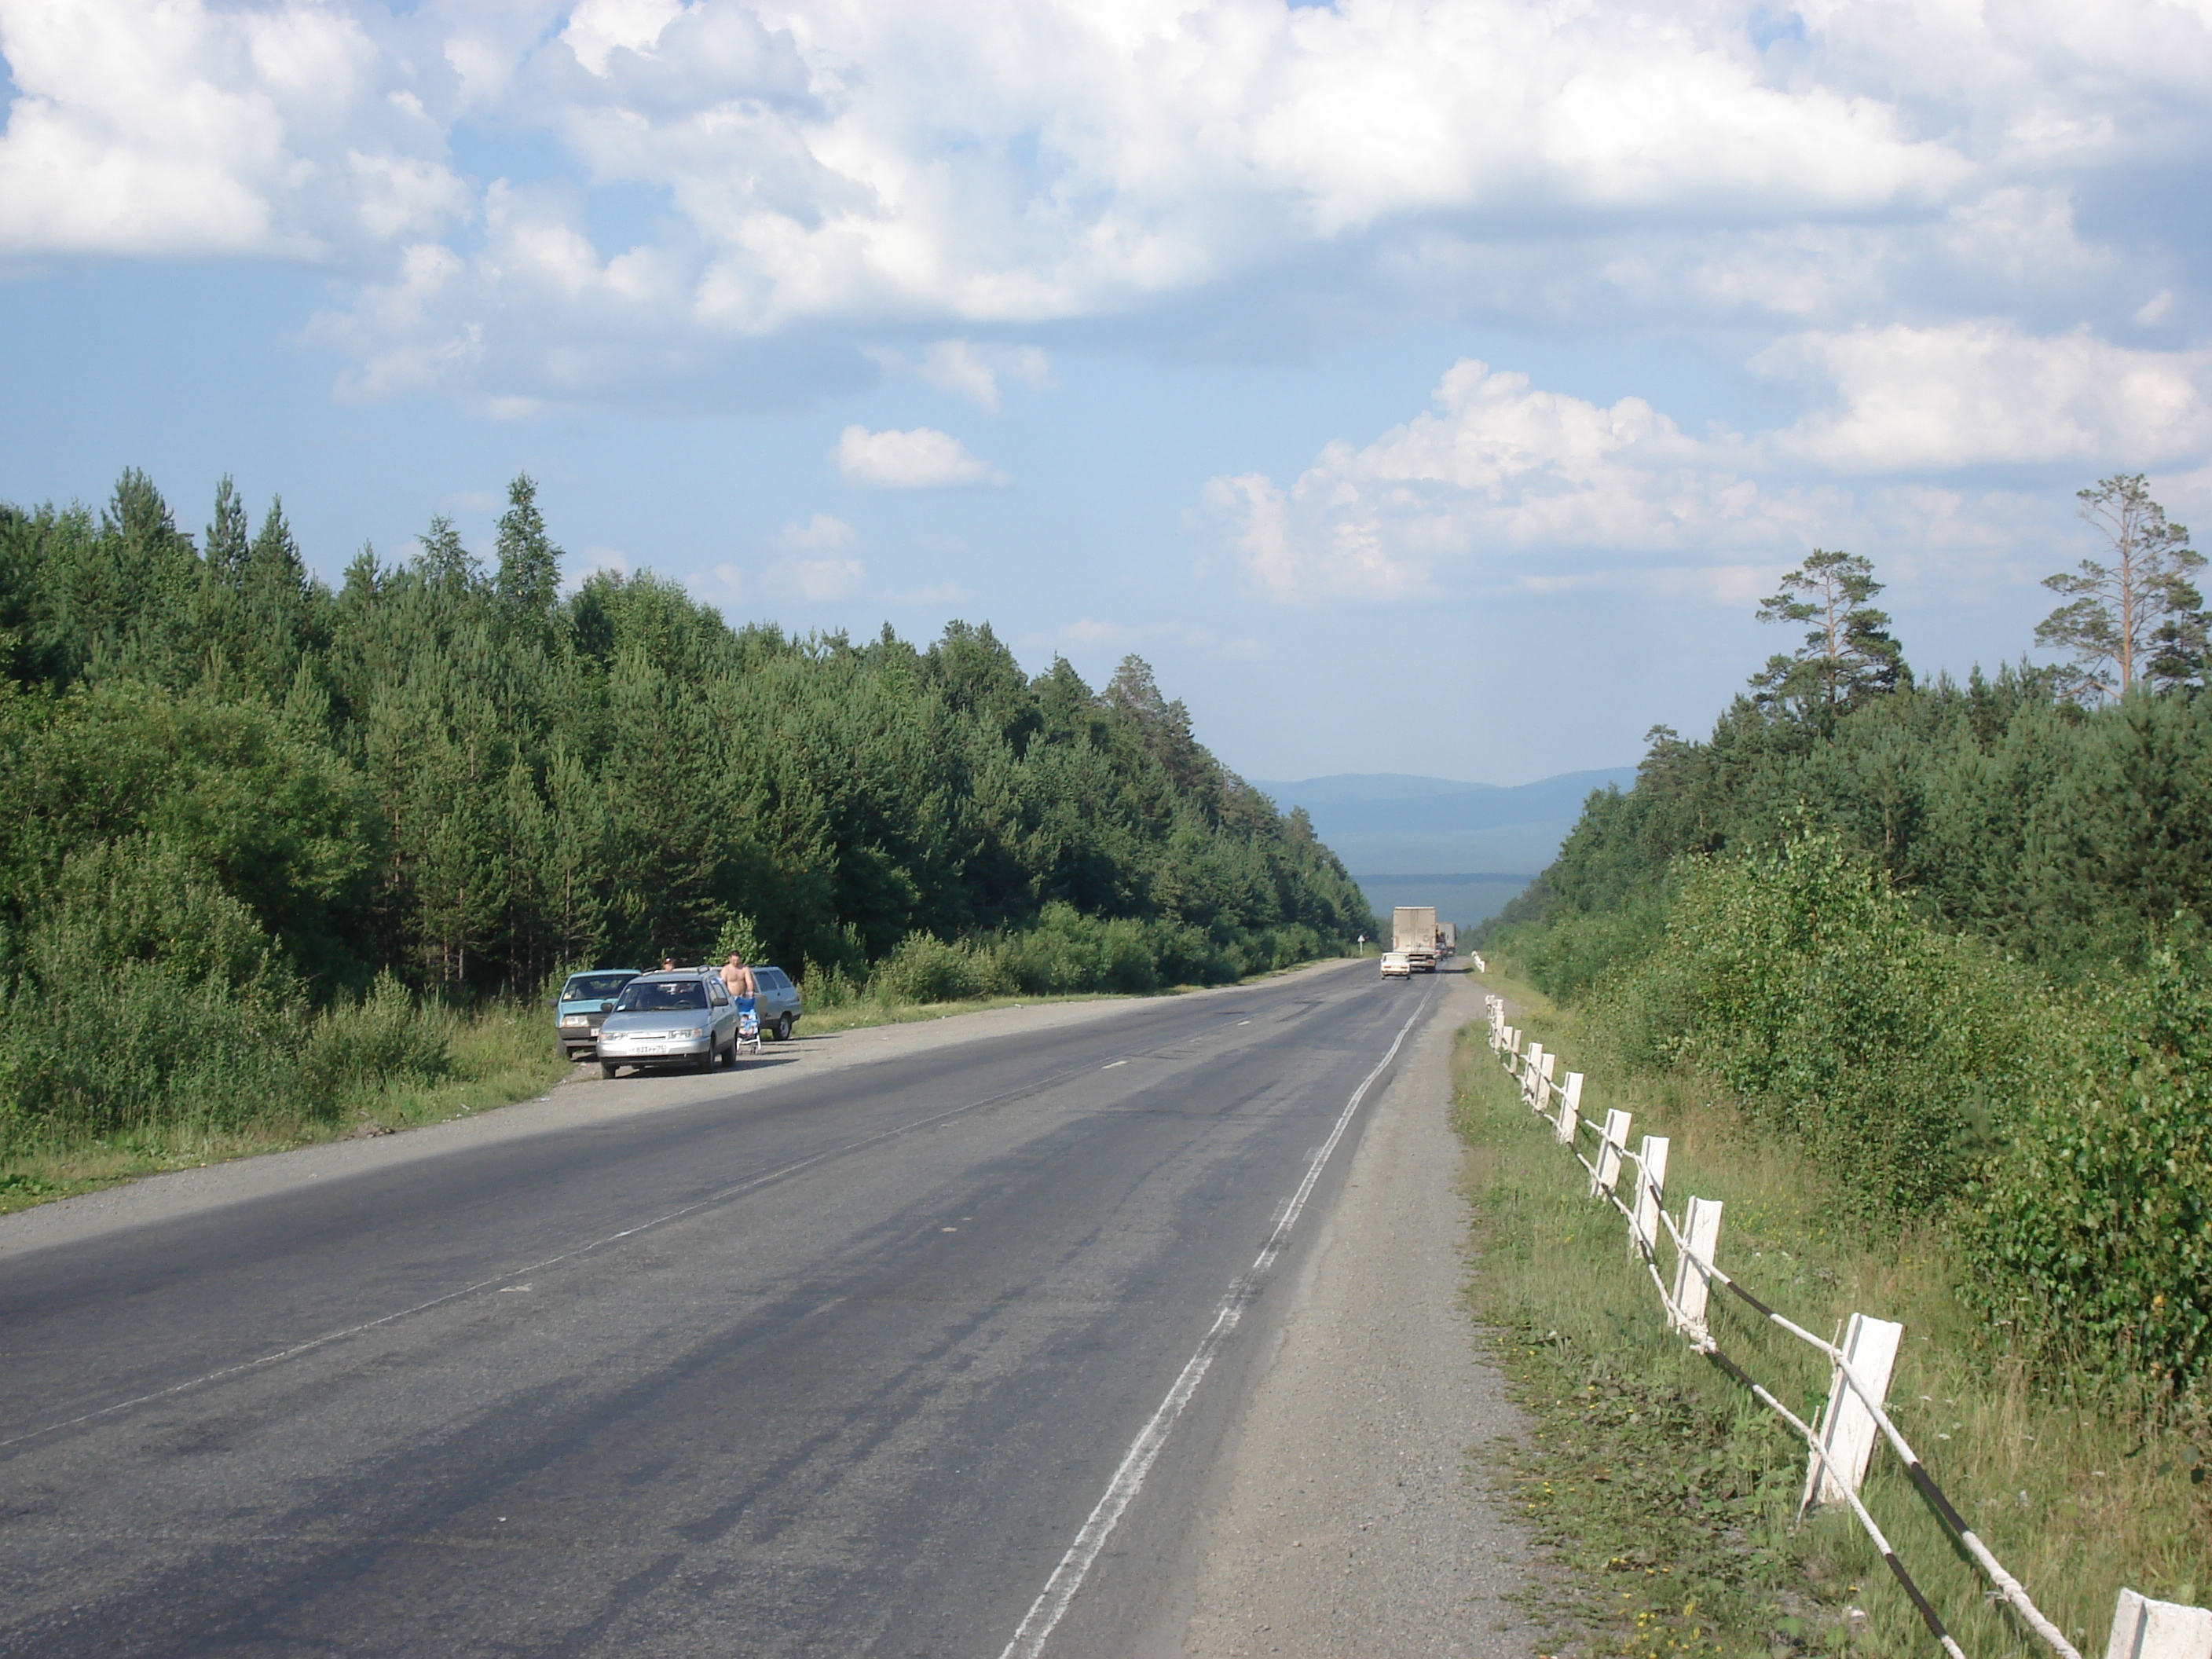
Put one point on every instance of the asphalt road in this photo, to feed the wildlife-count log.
(839, 1366)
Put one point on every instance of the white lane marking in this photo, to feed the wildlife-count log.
(1052, 1600)
(1243, 1022)
(498, 1280)
(1111, 1064)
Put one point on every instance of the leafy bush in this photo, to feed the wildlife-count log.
(355, 1048)
(1576, 948)
(2094, 1233)
(827, 988)
(1065, 952)
(1841, 1019)
(927, 969)
(147, 995)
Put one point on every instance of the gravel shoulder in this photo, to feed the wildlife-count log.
(1349, 1521)
(582, 1100)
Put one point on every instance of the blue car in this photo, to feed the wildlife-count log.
(583, 1005)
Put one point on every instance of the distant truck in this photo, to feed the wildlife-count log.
(1447, 939)
(1413, 931)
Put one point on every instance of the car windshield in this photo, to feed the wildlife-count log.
(594, 988)
(651, 996)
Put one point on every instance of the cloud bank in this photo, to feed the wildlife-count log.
(1500, 482)
(804, 182)
(1946, 237)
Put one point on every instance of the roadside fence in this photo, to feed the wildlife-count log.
(1854, 1421)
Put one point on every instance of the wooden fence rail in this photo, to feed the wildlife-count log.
(1840, 1447)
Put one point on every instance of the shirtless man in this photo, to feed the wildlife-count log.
(737, 978)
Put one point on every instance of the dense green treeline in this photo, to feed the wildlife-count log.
(236, 800)
(1948, 941)
(2068, 837)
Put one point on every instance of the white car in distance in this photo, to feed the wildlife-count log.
(1396, 965)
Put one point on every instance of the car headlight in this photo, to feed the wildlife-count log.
(691, 1031)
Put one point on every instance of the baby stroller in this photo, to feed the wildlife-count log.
(748, 1028)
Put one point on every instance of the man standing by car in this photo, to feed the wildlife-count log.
(737, 978)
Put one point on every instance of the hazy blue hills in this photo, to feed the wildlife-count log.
(1466, 847)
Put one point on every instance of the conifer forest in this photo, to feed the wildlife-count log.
(263, 837)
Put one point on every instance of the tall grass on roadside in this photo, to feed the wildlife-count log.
(257, 1080)
(1664, 1487)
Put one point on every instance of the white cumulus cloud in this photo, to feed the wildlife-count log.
(1929, 399)
(1502, 483)
(597, 29)
(974, 372)
(1498, 467)
(166, 126)
(825, 531)
(922, 459)
(828, 174)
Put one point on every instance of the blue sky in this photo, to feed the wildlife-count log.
(1424, 389)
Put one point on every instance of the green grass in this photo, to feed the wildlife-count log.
(1667, 1496)
(501, 1055)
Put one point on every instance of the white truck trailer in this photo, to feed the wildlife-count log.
(1413, 930)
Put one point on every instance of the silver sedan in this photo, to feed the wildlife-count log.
(684, 1018)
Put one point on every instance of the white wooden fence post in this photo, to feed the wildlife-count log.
(1605, 1168)
(1701, 1236)
(1848, 1431)
(1651, 1186)
(1542, 1103)
(2144, 1629)
(1530, 1066)
(1571, 1101)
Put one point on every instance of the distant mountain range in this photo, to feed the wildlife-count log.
(1389, 823)
(1467, 847)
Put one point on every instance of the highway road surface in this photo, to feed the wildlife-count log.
(934, 1353)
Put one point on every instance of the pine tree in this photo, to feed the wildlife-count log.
(529, 578)
(445, 564)
(227, 544)
(1848, 655)
(273, 565)
(2138, 618)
